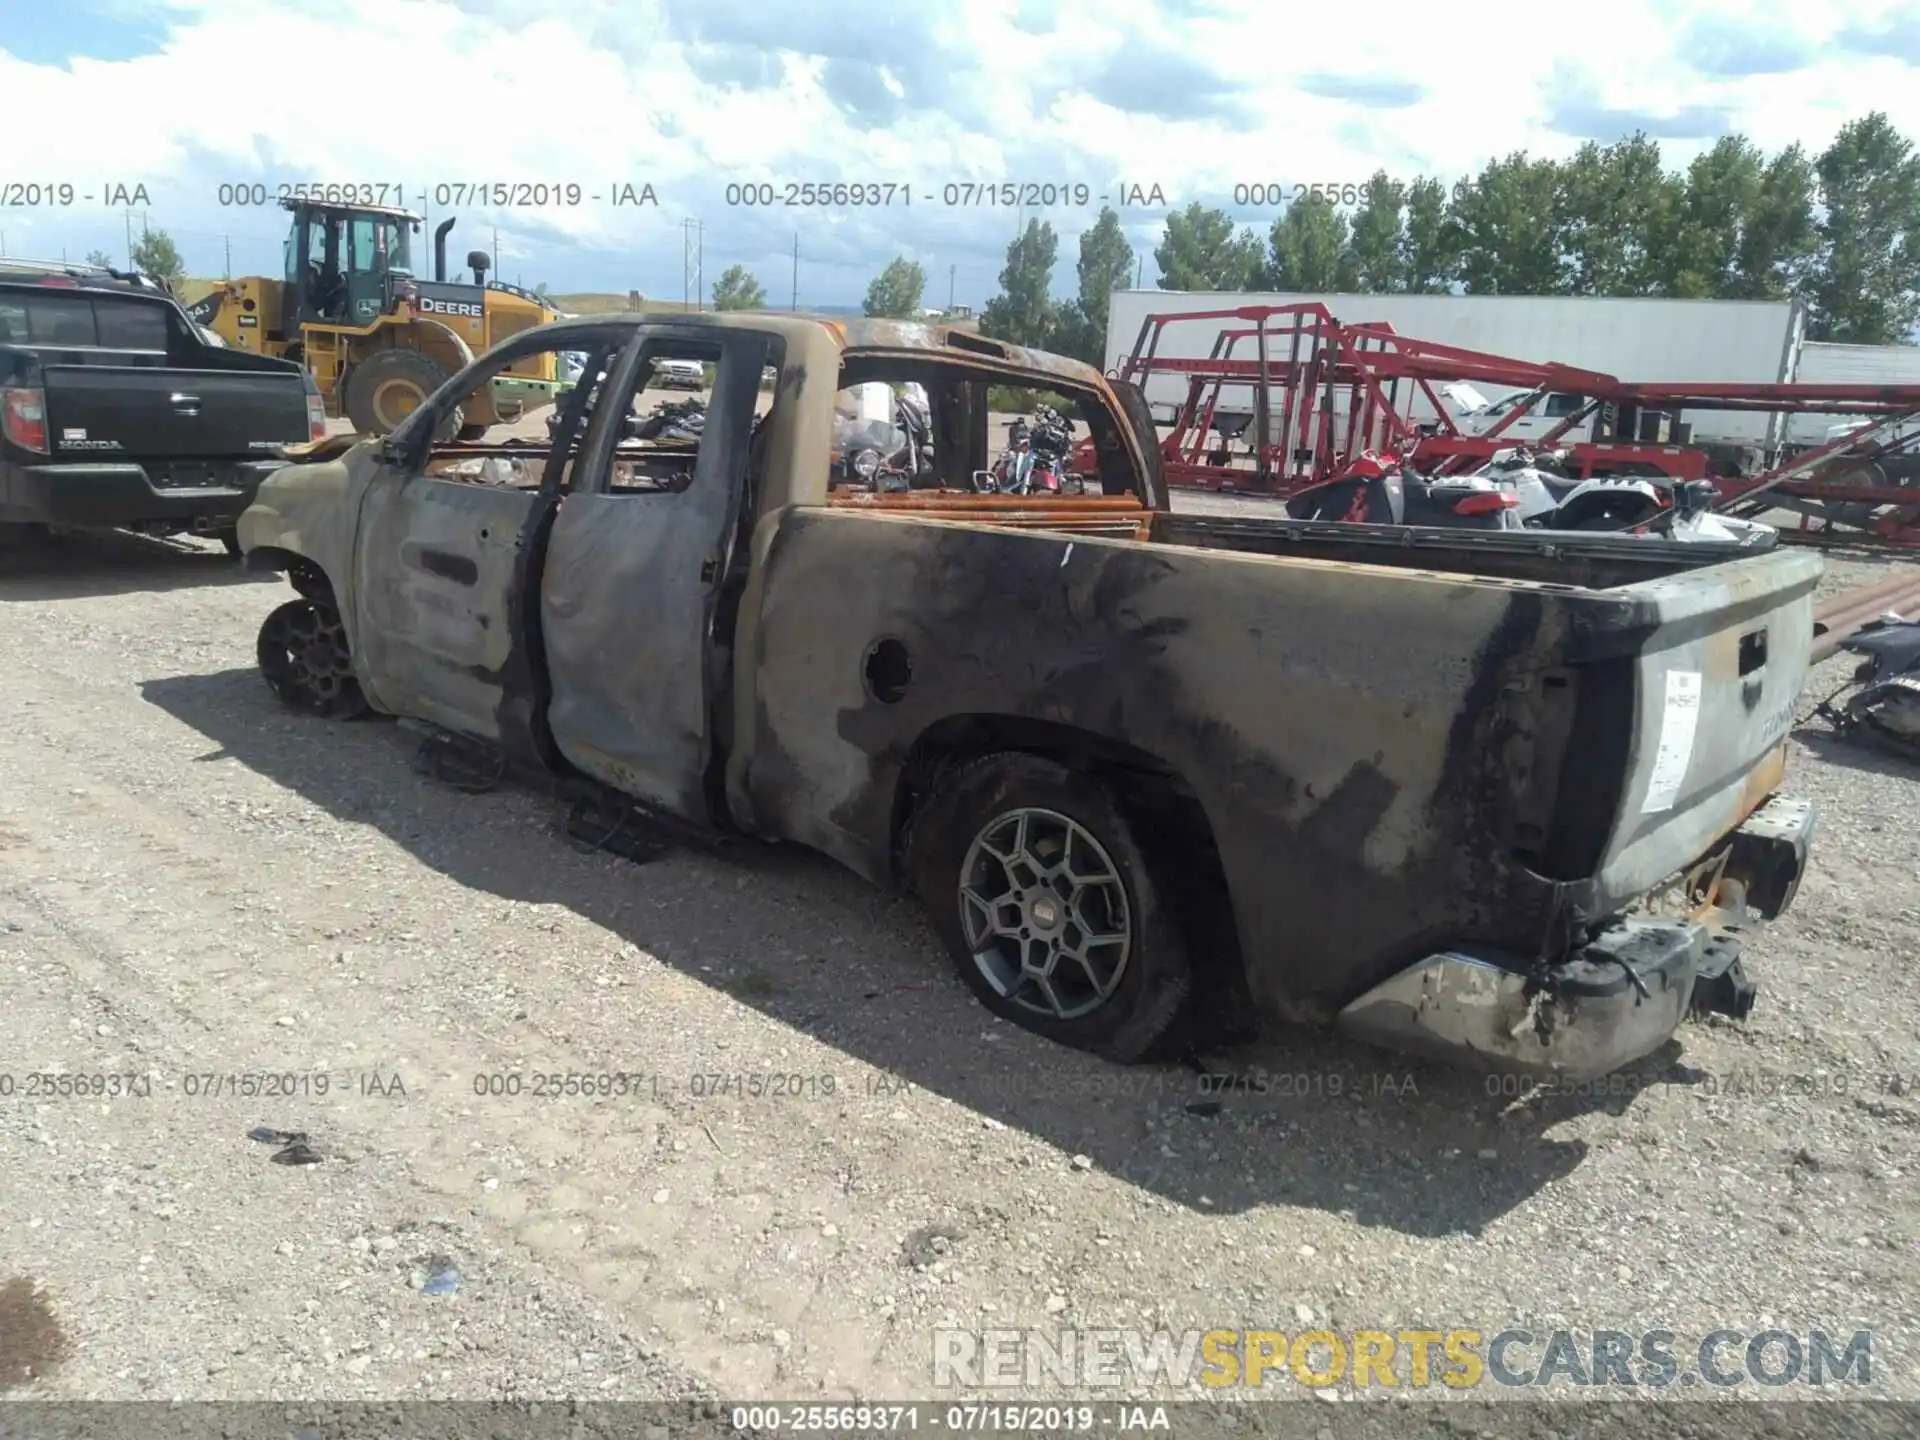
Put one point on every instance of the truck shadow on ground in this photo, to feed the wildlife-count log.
(1295, 1118)
(117, 562)
(1866, 753)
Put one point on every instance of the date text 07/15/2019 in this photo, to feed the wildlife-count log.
(446, 194)
(881, 194)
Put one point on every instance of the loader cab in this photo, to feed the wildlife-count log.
(344, 263)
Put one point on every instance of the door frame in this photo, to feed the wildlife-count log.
(401, 459)
(692, 583)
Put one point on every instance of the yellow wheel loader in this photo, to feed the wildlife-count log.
(376, 339)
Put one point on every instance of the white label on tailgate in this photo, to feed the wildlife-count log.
(1678, 721)
(72, 435)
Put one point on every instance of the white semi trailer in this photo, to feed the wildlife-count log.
(1707, 341)
(1827, 364)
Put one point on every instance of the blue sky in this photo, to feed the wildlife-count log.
(693, 96)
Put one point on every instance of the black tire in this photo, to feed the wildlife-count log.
(302, 650)
(389, 385)
(470, 433)
(231, 540)
(1141, 1017)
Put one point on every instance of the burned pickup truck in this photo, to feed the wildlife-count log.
(1508, 798)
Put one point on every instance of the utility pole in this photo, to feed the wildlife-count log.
(496, 249)
(692, 265)
(129, 216)
(796, 271)
(1139, 269)
(951, 270)
(227, 240)
(3, 245)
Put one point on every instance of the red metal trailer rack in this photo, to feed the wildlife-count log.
(1319, 392)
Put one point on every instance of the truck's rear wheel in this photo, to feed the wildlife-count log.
(303, 654)
(1048, 907)
(389, 385)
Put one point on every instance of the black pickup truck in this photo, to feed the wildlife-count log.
(116, 410)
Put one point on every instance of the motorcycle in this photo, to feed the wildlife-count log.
(1550, 499)
(1886, 706)
(670, 421)
(1522, 489)
(1383, 489)
(1038, 458)
(882, 457)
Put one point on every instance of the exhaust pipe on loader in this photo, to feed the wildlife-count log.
(440, 249)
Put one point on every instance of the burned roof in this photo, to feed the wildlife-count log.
(860, 335)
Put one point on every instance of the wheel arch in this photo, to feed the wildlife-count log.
(307, 575)
(1170, 821)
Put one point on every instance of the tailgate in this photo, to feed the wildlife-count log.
(114, 412)
(1717, 681)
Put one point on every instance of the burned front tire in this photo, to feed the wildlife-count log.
(304, 657)
(1049, 908)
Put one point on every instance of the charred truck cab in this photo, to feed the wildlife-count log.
(1507, 798)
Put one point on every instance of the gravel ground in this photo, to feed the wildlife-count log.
(194, 883)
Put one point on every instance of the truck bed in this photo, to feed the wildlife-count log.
(1579, 561)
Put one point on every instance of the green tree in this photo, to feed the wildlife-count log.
(1023, 312)
(1612, 214)
(101, 258)
(1106, 265)
(1376, 257)
(1743, 227)
(1702, 246)
(1505, 224)
(1867, 290)
(897, 292)
(736, 289)
(1779, 241)
(1429, 246)
(155, 254)
(1201, 251)
(1308, 248)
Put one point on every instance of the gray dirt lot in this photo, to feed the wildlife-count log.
(193, 883)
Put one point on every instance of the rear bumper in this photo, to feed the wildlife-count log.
(1610, 1002)
(111, 495)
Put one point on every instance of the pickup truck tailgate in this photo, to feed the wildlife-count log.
(1716, 679)
(145, 413)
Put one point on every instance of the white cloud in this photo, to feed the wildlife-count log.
(691, 95)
